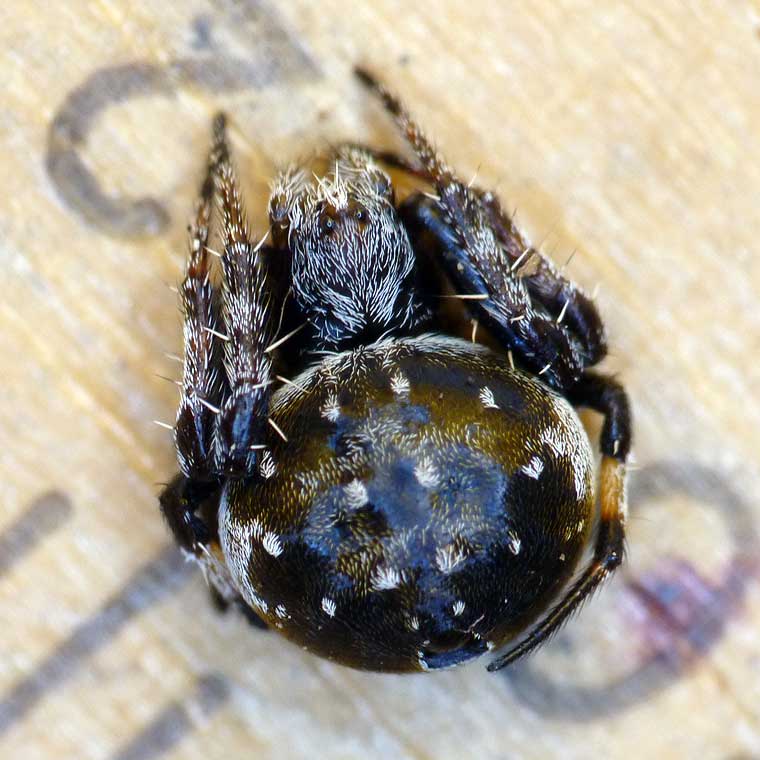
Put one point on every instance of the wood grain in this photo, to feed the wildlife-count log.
(628, 132)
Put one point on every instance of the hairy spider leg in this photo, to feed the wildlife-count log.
(455, 227)
(202, 386)
(602, 394)
(202, 381)
(433, 165)
(547, 284)
(248, 329)
(224, 399)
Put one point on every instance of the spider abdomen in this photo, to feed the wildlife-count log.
(429, 503)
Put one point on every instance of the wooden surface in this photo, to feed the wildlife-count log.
(628, 131)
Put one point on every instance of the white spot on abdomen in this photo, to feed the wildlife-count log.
(554, 440)
(331, 408)
(400, 384)
(356, 494)
(426, 473)
(267, 466)
(487, 398)
(385, 578)
(447, 558)
(272, 544)
(534, 468)
(580, 482)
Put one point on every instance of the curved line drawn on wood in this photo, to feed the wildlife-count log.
(272, 55)
(684, 614)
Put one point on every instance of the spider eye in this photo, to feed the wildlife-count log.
(360, 215)
(326, 224)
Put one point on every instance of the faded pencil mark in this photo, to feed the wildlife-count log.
(268, 54)
(45, 515)
(257, 26)
(682, 614)
(157, 579)
(77, 186)
(177, 720)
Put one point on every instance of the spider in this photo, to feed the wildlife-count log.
(354, 473)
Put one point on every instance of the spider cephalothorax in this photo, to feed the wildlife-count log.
(404, 499)
(353, 268)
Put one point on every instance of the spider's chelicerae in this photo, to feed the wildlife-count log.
(386, 494)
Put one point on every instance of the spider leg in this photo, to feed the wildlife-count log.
(223, 604)
(248, 329)
(546, 284)
(457, 228)
(202, 381)
(493, 292)
(201, 388)
(180, 502)
(224, 393)
(605, 395)
(432, 164)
